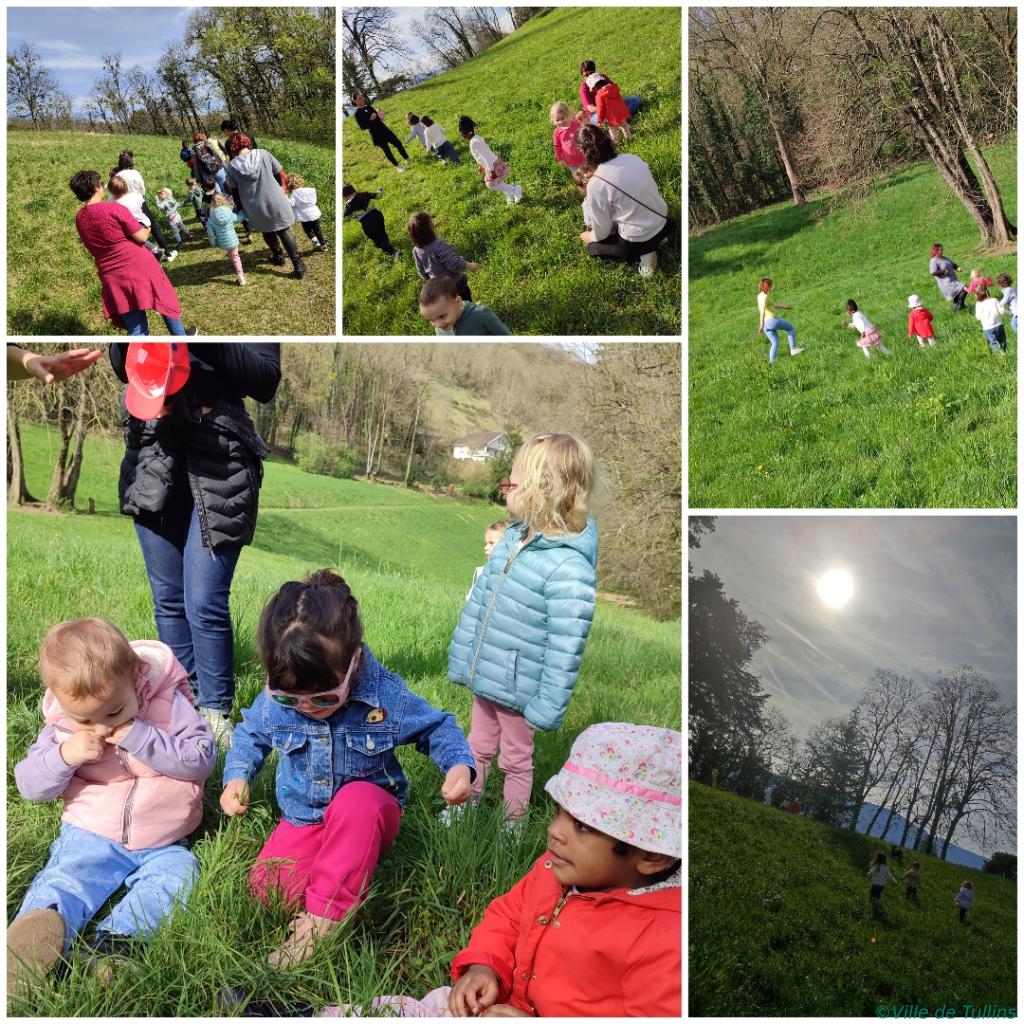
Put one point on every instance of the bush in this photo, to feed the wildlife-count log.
(476, 488)
(347, 462)
(315, 455)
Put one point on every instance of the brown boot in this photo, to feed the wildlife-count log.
(305, 929)
(35, 942)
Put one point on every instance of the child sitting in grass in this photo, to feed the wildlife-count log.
(489, 164)
(168, 206)
(964, 900)
(919, 322)
(870, 335)
(303, 199)
(442, 305)
(434, 257)
(913, 880)
(880, 876)
(336, 718)
(1008, 300)
(581, 176)
(126, 750)
(437, 142)
(220, 230)
(563, 139)
(357, 204)
(989, 314)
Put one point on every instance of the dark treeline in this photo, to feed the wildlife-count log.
(785, 100)
(271, 69)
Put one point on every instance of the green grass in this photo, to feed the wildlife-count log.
(535, 273)
(409, 558)
(934, 428)
(781, 922)
(52, 285)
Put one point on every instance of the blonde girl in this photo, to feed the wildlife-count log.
(220, 230)
(564, 139)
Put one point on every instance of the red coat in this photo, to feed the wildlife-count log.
(919, 323)
(611, 107)
(591, 954)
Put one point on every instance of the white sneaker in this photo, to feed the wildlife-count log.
(519, 194)
(797, 351)
(172, 255)
(452, 813)
(221, 725)
(513, 827)
(648, 264)
(399, 168)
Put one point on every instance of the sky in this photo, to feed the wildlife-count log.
(930, 593)
(72, 47)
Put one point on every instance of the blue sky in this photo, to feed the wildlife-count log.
(72, 41)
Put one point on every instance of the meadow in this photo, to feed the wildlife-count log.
(535, 273)
(409, 558)
(781, 923)
(52, 285)
(829, 428)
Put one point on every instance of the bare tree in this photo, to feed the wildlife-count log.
(372, 41)
(447, 32)
(32, 90)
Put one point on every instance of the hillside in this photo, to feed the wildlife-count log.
(781, 922)
(534, 273)
(934, 428)
(893, 834)
(52, 285)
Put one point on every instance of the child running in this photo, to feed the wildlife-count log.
(416, 130)
(611, 107)
(195, 197)
(336, 718)
(437, 142)
(977, 281)
(126, 750)
(442, 305)
(1008, 300)
(169, 206)
(989, 314)
(357, 204)
(519, 642)
(220, 230)
(434, 257)
(303, 199)
(880, 875)
(769, 324)
(491, 166)
(964, 900)
(919, 322)
(563, 139)
(913, 880)
(870, 335)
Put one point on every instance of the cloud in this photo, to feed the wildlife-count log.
(74, 63)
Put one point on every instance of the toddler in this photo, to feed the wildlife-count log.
(195, 196)
(133, 201)
(1008, 300)
(870, 335)
(964, 900)
(492, 167)
(919, 322)
(977, 281)
(611, 107)
(442, 305)
(168, 205)
(913, 880)
(416, 130)
(563, 140)
(126, 750)
(582, 176)
(988, 312)
(520, 639)
(357, 204)
(492, 535)
(306, 211)
(220, 230)
(434, 257)
(880, 876)
(437, 142)
(335, 717)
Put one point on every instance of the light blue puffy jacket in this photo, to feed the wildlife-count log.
(520, 638)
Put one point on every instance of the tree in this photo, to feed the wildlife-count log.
(372, 42)
(32, 90)
(832, 767)
(1004, 864)
(447, 32)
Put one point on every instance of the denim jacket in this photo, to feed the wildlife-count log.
(355, 744)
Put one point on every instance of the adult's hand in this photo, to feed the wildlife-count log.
(22, 364)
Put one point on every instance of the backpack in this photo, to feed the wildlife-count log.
(207, 156)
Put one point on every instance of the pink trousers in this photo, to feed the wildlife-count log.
(493, 727)
(433, 1004)
(326, 868)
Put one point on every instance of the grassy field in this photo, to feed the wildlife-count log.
(829, 428)
(535, 273)
(781, 923)
(409, 558)
(52, 286)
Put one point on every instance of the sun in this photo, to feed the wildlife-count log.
(835, 588)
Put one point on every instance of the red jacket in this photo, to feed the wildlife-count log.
(590, 954)
(611, 107)
(919, 323)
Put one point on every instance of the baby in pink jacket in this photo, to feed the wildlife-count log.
(125, 748)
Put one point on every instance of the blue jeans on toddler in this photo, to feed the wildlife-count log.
(634, 103)
(84, 870)
(1013, 322)
(446, 151)
(996, 338)
(771, 326)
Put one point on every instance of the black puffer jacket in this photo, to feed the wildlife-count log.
(217, 455)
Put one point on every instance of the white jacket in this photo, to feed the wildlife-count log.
(304, 201)
(623, 195)
(989, 313)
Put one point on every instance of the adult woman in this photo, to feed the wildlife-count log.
(253, 175)
(628, 215)
(944, 271)
(381, 135)
(209, 161)
(769, 324)
(587, 99)
(131, 281)
(190, 478)
(132, 178)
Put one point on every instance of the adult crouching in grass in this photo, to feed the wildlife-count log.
(629, 216)
(131, 281)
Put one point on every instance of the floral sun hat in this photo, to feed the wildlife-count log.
(625, 780)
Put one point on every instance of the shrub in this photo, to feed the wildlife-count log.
(313, 454)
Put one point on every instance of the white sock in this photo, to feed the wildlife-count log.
(885, 350)
(509, 190)
(867, 353)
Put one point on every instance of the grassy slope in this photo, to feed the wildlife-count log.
(409, 558)
(781, 922)
(829, 428)
(534, 271)
(52, 286)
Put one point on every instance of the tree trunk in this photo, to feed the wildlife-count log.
(412, 436)
(17, 492)
(69, 485)
(53, 495)
(787, 162)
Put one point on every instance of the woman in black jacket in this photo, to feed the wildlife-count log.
(381, 135)
(191, 478)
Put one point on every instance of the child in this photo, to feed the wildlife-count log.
(494, 169)
(168, 205)
(870, 335)
(913, 880)
(416, 130)
(880, 875)
(357, 204)
(492, 535)
(563, 139)
(1008, 300)
(220, 230)
(434, 257)
(520, 639)
(127, 751)
(437, 142)
(121, 193)
(442, 305)
(988, 313)
(964, 899)
(919, 322)
(185, 153)
(582, 176)
(977, 281)
(195, 196)
(611, 107)
(308, 213)
(335, 717)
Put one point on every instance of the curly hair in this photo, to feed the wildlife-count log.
(85, 183)
(597, 147)
(556, 474)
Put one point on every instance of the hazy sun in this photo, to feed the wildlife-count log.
(835, 588)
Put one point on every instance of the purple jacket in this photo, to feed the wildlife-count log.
(438, 259)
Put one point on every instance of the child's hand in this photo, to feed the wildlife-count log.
(82, 748)
(473, 266)
(119, 733)
(474, 992)
(235, 798)
(456, 785)
(588, 237)
(504, 1010)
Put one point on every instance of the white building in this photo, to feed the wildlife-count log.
(480, 446)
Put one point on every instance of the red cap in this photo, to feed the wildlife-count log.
(156, 370)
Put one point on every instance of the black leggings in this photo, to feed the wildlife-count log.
(463, 288)
(154, 228)
(275, 239)
(615, 248)
(372, 223)
(958, 300)
(383, 141)
(312, 229)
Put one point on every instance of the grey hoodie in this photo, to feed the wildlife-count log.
(255, 177)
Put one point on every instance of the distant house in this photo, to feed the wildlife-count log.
(480, 446)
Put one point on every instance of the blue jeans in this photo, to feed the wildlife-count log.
(633, 102)
(996, 338)
(191, 586)
(84, 870)
(221, 179)
(771, 326)
(446, 151)
(1013, 322)
(137, 323)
